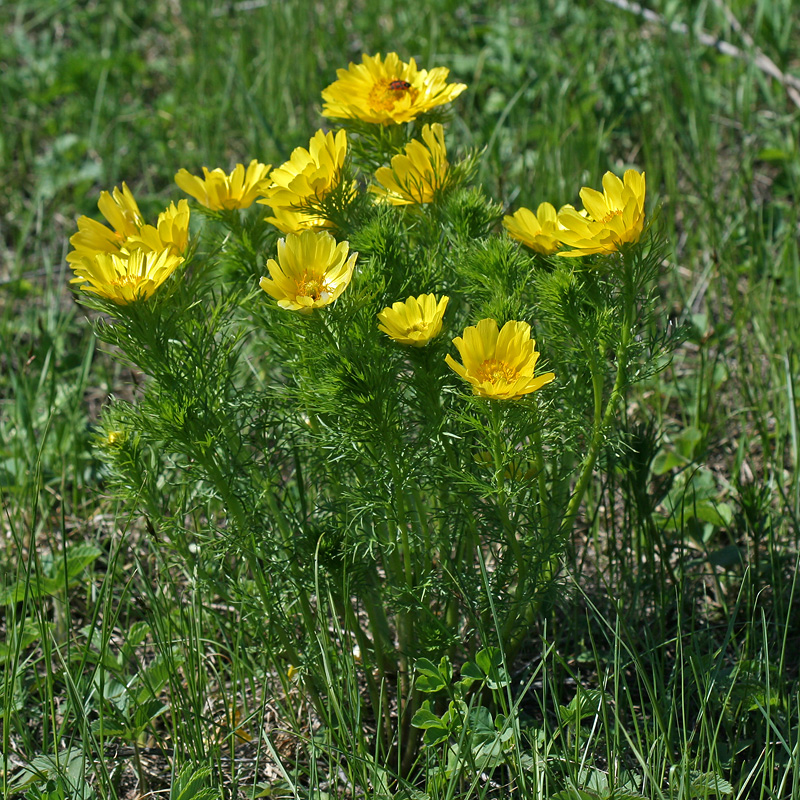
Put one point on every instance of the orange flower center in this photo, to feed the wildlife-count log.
(611, 214)
(312, 285)
(493, 371)
(385, 93)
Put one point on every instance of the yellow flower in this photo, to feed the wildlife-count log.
(170, 232)
(126, 276)
(537, 231)
(309, 174)
(387, 92)
(418, 175)
(219, 191)
(311, 271)
(498, 364)
(288, 221)
(121, 210)
(414, 322)
(115, 438)
(130, 231)
(615, 217)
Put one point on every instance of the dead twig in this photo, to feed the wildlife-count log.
(757, 57)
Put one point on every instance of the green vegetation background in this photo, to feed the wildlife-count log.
(96, 93)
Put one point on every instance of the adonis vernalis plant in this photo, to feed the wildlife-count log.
(412, 467)
(311, 271)
(387, 91)
(499, 364)
(417, 175)
(538, 230)
(414, 322)
(611, 219)
(219, 191)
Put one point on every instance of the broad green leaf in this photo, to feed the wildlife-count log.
(78, 557)
(426, 667)
(665, 460)
(434, 736)
(489, 659)
(425, 718)
(472, 671)
(429, 683)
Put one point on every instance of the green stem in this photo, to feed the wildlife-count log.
(405, 627)
(499, 475)
(235, 508)
(541, 475)
(427, 544)
(382, 639)
(602, 421)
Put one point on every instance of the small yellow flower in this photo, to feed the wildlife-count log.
(288, 221)
(126, 276)
(218, 191)
(418, 175)
(537, 231)
(615, 217)
(115, 438)
(309, 174)
(414, 322)
(311, 271)
(498, 364)
(170, 232)
(387, 92)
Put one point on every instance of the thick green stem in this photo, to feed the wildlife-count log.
(382, 638)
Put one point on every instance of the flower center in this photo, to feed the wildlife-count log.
(385, 93)
(126, 280)
(611, 214)
(493, 371)
(312, 285)
(418, 327)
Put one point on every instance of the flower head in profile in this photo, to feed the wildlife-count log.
(309, 174)
(498, 363)
(535, 230)
(387, 91)
(414, 322)
(129, 231)
(170, 232)
(311, 271)
(217, 190)
(613, 217)
(417, 175)
(121, 211)
(126, 276)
